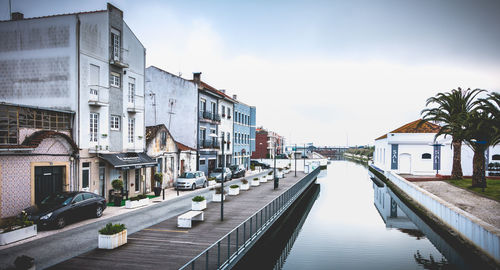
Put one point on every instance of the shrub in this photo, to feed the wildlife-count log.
(117, 184)
(270, 173)
(280, 169)
(19, 222)
(111, 229)
(138, 197)
(159, 177)
(198, 199)
(256, 179)
(218, 190)
(252, 167)
(234, 186)
(244, 181)
(211, 179)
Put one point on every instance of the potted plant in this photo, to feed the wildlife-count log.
(255, 182)
(211, 181)
(219, 195)
(269, 176)
(112, 236)
(137, 201)
(245, 185)
(198, 203)
(158, 181)
(234, 190)
(117, 185)
(252, 167)
(280, 173)
(17, 229)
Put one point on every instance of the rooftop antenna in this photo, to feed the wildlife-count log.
(10, 10)
(171, 104)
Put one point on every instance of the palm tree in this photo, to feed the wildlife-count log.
(451, 112)
(483, 131)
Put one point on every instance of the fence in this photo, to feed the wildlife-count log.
(482, 234)
(229, 248)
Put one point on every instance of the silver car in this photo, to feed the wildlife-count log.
(191, 180)
(217, 173)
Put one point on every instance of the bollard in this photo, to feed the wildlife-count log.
(163, 194)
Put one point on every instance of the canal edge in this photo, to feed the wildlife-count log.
(462, 244)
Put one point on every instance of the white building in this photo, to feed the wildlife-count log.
(92, 64)
(226, 109)
(411, 149)
(172, 101)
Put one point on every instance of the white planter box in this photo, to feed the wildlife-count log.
(212, 183)
(16, 235)
(198, 206)
(280, 174)
(268, 177)
(234, 191)
(255, 183)
(112, 241)
(245, 186)
(134, 204)
(217, 197)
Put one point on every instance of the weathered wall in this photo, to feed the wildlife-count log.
(182, 124)
(37, 62)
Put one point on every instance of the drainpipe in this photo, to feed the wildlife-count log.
(76, 185)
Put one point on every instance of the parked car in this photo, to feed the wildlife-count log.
(191, 180)
(57, 209)
(237, 171)
(217, 173)
(262, 165)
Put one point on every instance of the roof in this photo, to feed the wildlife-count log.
(414, 127)
(56, 15)
(212, 89)
(151, 131)
(183, 147)
(34, 140)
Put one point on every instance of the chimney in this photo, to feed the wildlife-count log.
(196, 77)
(16, 16)
(223, 90)
(235, 97)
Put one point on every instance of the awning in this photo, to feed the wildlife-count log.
(127, 161)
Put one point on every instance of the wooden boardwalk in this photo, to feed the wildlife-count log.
(164, 246)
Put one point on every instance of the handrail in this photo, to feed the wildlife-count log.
(257, 223)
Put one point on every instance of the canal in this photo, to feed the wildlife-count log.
(347, 221)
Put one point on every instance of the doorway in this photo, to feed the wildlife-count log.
(48, 180)
(405, 163)
(102, 179)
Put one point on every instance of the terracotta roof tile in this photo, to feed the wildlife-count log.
(413, 127)
(183, 147)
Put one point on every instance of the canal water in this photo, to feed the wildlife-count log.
(347, 221)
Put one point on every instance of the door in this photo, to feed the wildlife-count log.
(211, 165)
(405, 163)
(125, 183)
(102, 181)
(182, 166)
(48, 180)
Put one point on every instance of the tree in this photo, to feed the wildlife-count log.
(483, 131)
(451, 112)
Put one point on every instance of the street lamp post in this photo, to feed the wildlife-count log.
(295, 158)
(275, 178)
(304, 157)
(222, 176)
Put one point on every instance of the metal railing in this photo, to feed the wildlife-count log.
(228, 248)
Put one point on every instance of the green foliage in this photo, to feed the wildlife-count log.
(158, 177)
(492, 190)
(256, 179)
(198, 199)
(270, 173)
(211, 179)
(17, 223)
(117, 184)
(111, 229)
(252, 167)
(138, 197)
(244, 181)
(234, 186)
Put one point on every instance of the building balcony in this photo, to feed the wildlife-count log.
(210, 117)
(209, 144)
(98, 96)
(119, 57)
(136, 106)
(95, 148)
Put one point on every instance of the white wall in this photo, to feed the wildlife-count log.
(166, 86)
(226, 126)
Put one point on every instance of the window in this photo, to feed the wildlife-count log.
(228, 140)
(203, 105)
(87, 196)
(163, 139)
(137, 179)
(228, 113)
(223, 110)
(131, 126)
(115, 122)
(495, 157)
(94, 126)
(85, 175)
(159, 164)
(426, 156)
(203, 134)
(115, 44)
(114, 79)
(214, 107)
(78, 198)
(131, 90)
(202, 162)
(172, 164)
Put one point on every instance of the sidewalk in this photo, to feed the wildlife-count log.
(48, 246)
(483, 208)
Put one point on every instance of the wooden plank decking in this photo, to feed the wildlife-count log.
(164, 246)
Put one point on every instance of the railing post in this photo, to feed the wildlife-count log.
(218, 254)
(206, 261)
(228, 245)
(237, 239)
(245, 233)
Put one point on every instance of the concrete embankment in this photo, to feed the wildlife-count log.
(476, 240)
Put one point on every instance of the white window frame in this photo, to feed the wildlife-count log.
(131, 90)
(114, 79)
(203, 105)
(131, 129)
(115, 44)
(94, 127)
(115, 122)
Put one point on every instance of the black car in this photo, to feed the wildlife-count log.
(57, 209)
(262, 165)
(237, 171)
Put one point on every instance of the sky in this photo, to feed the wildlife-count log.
(326, 72)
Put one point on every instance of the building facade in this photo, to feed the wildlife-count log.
(162, 147)
(267, 144)
(226, 109)
(244, 138)
(93, 65)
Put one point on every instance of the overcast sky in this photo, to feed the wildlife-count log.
(317, 71)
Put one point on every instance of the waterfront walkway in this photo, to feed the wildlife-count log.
(483, 208)
(164, 246)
